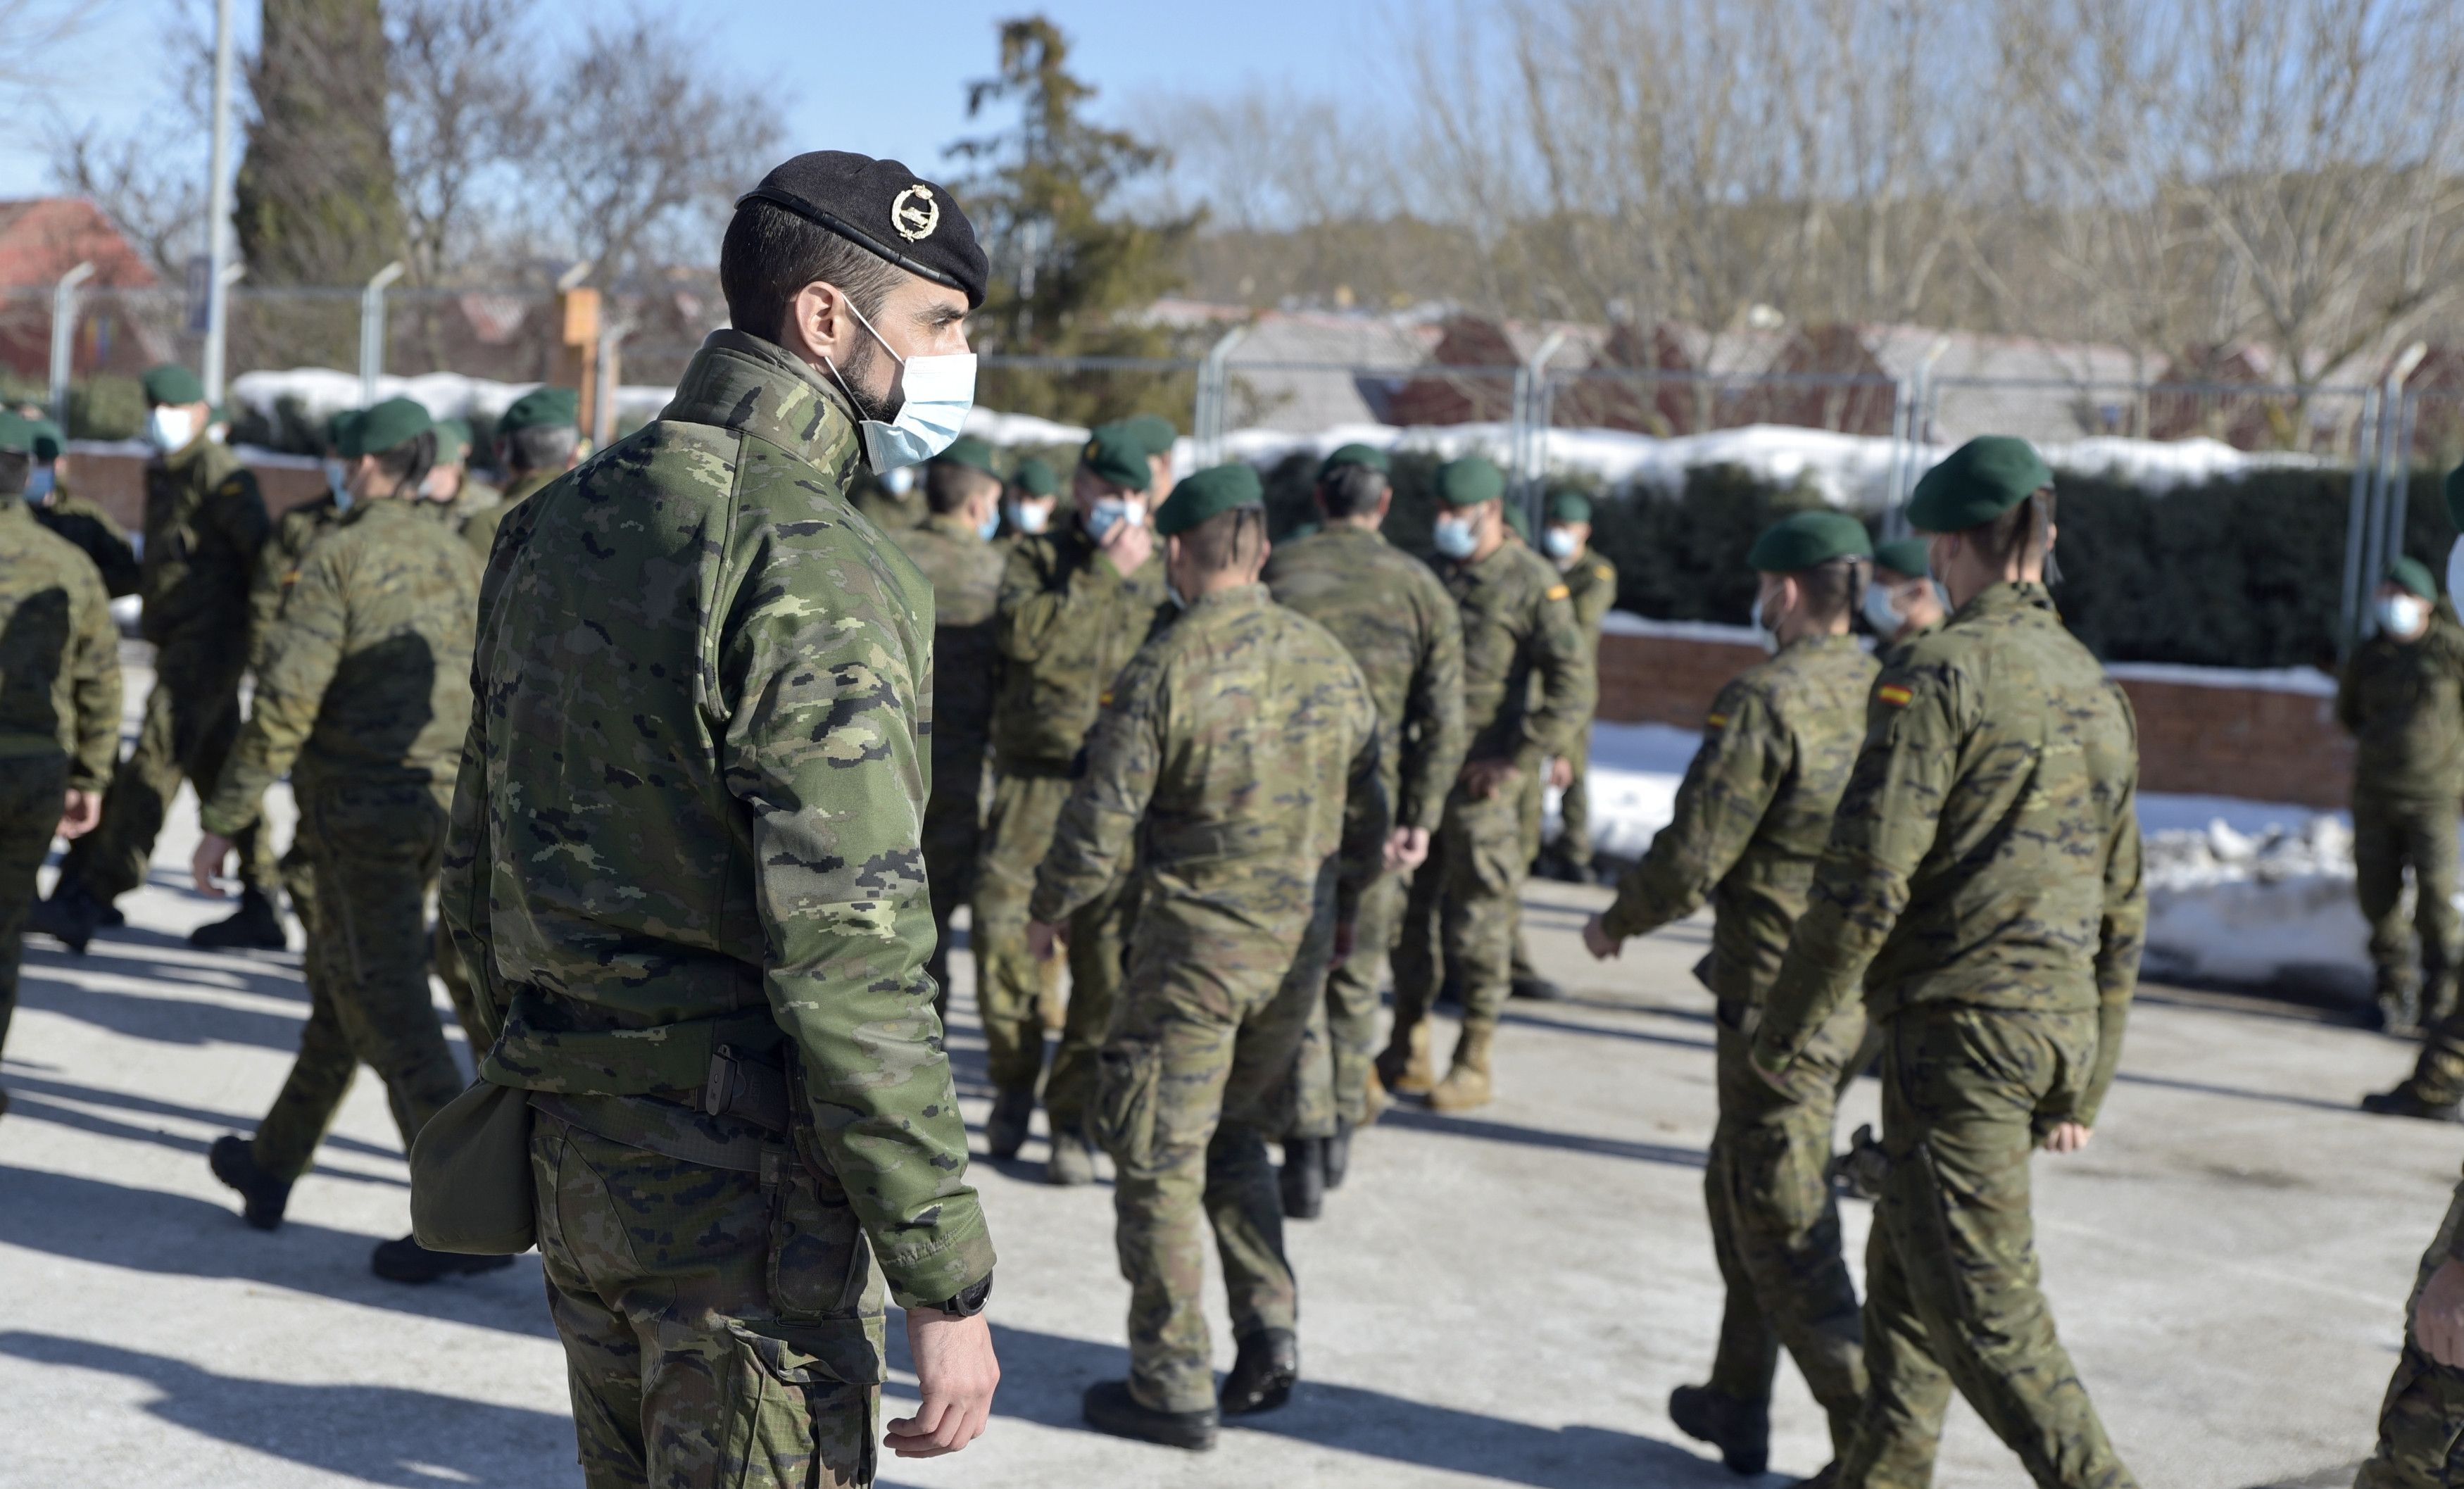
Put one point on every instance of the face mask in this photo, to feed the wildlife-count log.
(2402, 615)
(170, 429)
(936, 394)
(1456, 538)
(1763, 633)
(1171, 592)
(988, 526)
(1109, 513)
(1880, 614)
(336, 485)
(1028, 519)
(1559, 542)
(39, 482)
(2455, 568)
(899, 481)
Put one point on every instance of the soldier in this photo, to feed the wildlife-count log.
(450, 484)
(59, 696)
(2422, 1417)
(364, 684)
(1517, 625)
(204, 522)
(539, 438)
(1241, 749)
(1903, 602)
(953, 547)
(1075, 605)
(1156, 433)
(1401, 630)
(1751, 818)
(84, 524)
(707, 678)
(1034, 491)
(1982, 887)
(888, 500)
(1592, 587)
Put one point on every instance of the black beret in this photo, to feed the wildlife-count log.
(882, 207)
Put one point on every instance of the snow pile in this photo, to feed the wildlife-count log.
(322, 391)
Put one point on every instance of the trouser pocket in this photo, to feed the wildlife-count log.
(808, 1398)
(1127, 1072)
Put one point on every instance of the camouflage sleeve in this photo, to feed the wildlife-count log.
(1886, 821)
(1367, 815)
(277, 568)
(1597, 598)
(1123, 756)
(1729, 786)
(822, 749)
(2120, 937)
(1569, 682)
(462, 885)
(93, 669)
(300, 658)
(1432, 747)
(1034, 618)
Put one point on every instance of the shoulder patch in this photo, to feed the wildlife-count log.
(1602, 571)
(1103, 699)
(1717, 721)
(1895, 694)
(1558, 592)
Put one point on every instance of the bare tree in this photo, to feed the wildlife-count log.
(37, 30)
(461, 110)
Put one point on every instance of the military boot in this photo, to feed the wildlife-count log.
(1537, 989)
(1740, 1429)
(1005, 1129)
(1262, 1373)
(403, 1260)
(1466, 1085)
(1074, 1158)
(1405, 1068)
(2437, 998)
(1374, 1099)
(2403, 1102)
(1303, 1177)
(70, 916)
(1110, 1408)
(263, 1197)
(256, 925)
(1338, 1154)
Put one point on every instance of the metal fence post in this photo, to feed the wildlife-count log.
(2365, 435)
(373, 330)
(1527, 436)
(218, 210)
(606, 379)
(1214, 394)
(64, 307)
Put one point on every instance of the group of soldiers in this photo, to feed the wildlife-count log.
(702, 750)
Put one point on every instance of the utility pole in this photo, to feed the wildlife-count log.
(218, 211)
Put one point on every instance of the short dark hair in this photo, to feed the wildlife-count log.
(770, 254)
(1227, 539)
(410, 462)
(1833, 590)
(14, 466)
(542, 447)
(949, 484)
(1351, 491)
(2020, 534)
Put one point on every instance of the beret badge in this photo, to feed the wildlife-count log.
(914, 213)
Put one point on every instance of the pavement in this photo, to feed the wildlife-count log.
(1504, 1298)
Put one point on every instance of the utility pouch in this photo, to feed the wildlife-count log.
(472, 1188)
(1858, 1172)
(1124, 1120)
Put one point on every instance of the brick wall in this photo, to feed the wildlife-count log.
(118, 483)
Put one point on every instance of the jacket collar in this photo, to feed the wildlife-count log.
(742, 383)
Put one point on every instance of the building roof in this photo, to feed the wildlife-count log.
(42, 238)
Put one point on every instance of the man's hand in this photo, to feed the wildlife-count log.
(1561, 771)
(2438, 1318)
(207, 863)
(954, 1377)
(1407, 848)
(1129, 545)
(1486, 779)
(80, 811)
(1342, 943)
(1042, 936)
(1777, 1080)
(2068, 1137)
(1597, 941)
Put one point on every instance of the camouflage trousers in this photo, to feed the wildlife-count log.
(1339, 1049)
(32, 791)
(953, 829)
(1776, 1224)
(191, 722)
(1462, 910)
(2390, 837)
(1009, 981)
(372, 855)
(1574, 807)
(1951, 1276)
(2421, 1422)
(1196, 1071)
(721, 1324)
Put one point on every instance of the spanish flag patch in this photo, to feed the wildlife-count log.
(1105, 701)
(1558, 591)
(1894, 695)
(1717, 721)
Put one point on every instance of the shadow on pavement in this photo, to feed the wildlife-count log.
(379, 1434)
(2236, 1093)
(146, 1230)
(148, 1106)
(1416, 1120)
(165, 1020)
(1537, 1021)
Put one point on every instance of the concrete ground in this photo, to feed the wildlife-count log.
(1503, 1299)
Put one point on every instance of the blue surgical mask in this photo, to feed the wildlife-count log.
(988, 526)
(1559, 543)
(169, 428)
(937, 393)
(1030, 521)
(1456, 538)
(1109, 513)
(337, 484)
(2402, 615)
(1763, 633)
(1880, 613)
(39, 482)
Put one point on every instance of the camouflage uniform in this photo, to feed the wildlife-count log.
(1982, 887)
(1751, 819)
(1240, 750)
(94, 532)
(1518, 626)
(1400, 627)
(59, 708)
(480, 523)
(1067, 624)
(1891, 653)
(363, 681)
(687, 822)
(1592, 585)
(204, 525)
(966, 572)
(2404, 704)
(277, 570)
(2421, 1422)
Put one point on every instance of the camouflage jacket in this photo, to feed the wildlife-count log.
(1891, 653)
(204, 522)
(1518, 625)
(1067, 625)
(691, 800)
(96, 534)
(480, 523)
(2404, 703)
(1985, 851)
(966, 574)
(278, 566)
(1402, 628)
(1754, 811)
(1241, 753)
(363, 677)
(1592, 587)
(59, 654)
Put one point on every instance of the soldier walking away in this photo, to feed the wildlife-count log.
(1751, 818)
(1592, 588)
(1400, 627)
(87, 527)
(2422, 1419)
(707, 676)
(1240, 750)
(539, 438)
(204, 522)
(1527, 685)
(1903, 603)
(1981, 889)
(59, 696)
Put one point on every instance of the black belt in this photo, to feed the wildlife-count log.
(750, 1090)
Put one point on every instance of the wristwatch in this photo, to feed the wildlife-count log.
(968, 1304)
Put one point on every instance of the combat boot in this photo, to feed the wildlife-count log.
(2403, 1102)
(1405, 1068)
(1005, 1129)
(1536, 989)
(1467, 1087)
(1338, 1154)
(256, 925)
(1740, 1429)
(1303, 1177)
(263, 1197)
(1374, 1099)
(1825, 1478)
(70, 916)
(1110, 1408)
(1262, 1373)
(2437, 998)
(1074, 1158)
(403, 1260)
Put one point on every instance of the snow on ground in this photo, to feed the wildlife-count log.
(322, 391)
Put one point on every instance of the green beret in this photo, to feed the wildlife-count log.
(1469, 481)
(542, 409)
(1369, 455)
(1209, 494)
(1035, 478)
(2455, 498)
(173, 383)
(16, 432)
(388, 425)
(1976, 483)
(1569, 506)
(338, 429)
(1908, 556)
(1803, 540)
(1115, 452)
(2408, 574)
(452, 440)
(48, 441)
(1154, 431)
(972, 453)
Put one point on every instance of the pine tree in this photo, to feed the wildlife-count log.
(315, 203)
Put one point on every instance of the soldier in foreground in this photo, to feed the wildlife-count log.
(539, 438)
(1517, 628)
(1751, 818)
(1903, 602)
(1592, 588)
(364, 687)
(1400, 627)
(84, 524)
(707, 676)
(59, 697)
(1241, 749)
(2421, 1419)
(1981, 889)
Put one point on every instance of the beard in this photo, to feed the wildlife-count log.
(855, 373)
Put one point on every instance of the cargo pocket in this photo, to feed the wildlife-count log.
(810, 1393)
(1124, 1101)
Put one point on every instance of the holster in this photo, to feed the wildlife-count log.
(472, 1186)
